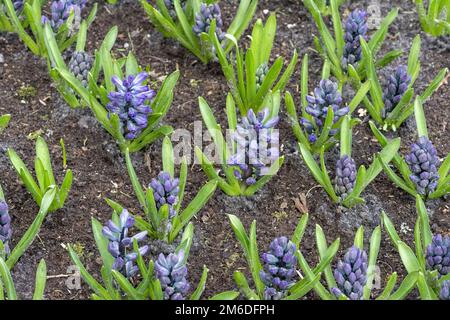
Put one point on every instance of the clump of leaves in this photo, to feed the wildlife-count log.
(435, 19)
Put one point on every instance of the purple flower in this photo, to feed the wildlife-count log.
(256, 151)
(351, 274)
(444, 294)
(165, 191)
(345, 176)
(325, 96)
(171, 271)
(61, 10)
(355, 27)
(423, 162)
(204, 18)
(18, 5)
(171, 7)
(396, 86)
(131, 102)
(437, 256)
(121, 245)
(279, 268)
(80, 64)
(5, 227)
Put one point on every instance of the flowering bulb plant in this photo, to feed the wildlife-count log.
(277, 276)
(435, 19)
(194, 23)
(348, 182)
(44, 176)
(81, 64)
(353, 276)
(250, 75)
(321, 114)
(124, 102)
(251, 157)
(29, 23)
(344, 50)
(420, 171)
(10, 255)
(391, 105)
(7, 287)
(164, 217)
(125, 273)
(430, 259)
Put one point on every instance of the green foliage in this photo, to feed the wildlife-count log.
(223, 150)
(435, 19)
(114, 286)
(30, 29)
(241, 69)
(414, 259)
(324, 6)
(331, 48)
(364, 176)
(7, 284)
(44, 175)
(179, 27)
(325, 140)
(154, 220)
(249, 245)
(402, 178)
(96, 95)
(405, 107)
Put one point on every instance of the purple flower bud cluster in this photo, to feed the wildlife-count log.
(165, 191)
(121, 245)
(345, 176)
(171, 7)
(351, 274)
(279, 269)
(325, 96)
(171, 271)
(438, 255)
(255, 146)
(423, 162)
(61, 10)
(18, 5)
(444, 294)
(355, 27)
(131, 102)
(5, 226)
(80, 64)
(396, 86)
(261, 73)
(204, 18)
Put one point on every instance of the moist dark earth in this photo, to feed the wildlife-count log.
(99, 170)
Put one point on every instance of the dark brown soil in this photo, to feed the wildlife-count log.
(99, 171)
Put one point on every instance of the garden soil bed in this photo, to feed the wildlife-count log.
(99, 170)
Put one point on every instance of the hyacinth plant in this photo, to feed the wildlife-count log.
(124, 102)
(430, 259)
(275, 273)
(250, 75)
(391, 104)
(348, 181)
(162, 279)
(343, 51)
(10, 255)
(81, 63)
(353, 276)
(65, 21)
(7, 287)
(435, 19)
(45, 177)
(250, 157)
(321, 114)
(194, 23)
(164, 217)
(419, 172)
